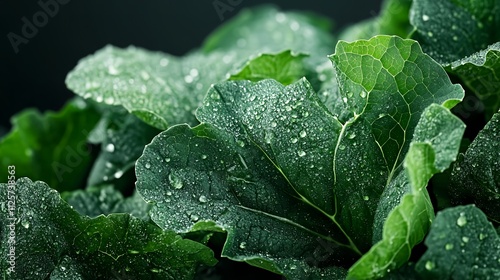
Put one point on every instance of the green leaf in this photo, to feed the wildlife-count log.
(52, 240)
(476, 175)
(435, 145)
(275, 169)
(285, 67)
(392, 20)
(163, 90)
(122, 137)
(481, 73)
(464, 29)
(462, 244)
(106, 200)
(51, 147)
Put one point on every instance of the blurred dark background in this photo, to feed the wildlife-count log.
(34, 76)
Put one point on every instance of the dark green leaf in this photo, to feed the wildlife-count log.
(462, 244)
(106, 200)
(51, 147)
(450, 30)
(393, 20)
(52, 240)
(476, 175)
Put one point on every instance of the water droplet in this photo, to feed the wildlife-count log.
(148, 165)
(341, 147)
(215, 95)
(169, 193)
(167, 160)
(454, 27)
(465, 239)
(175, 181)
(145, 75)
(482, 236)
(204, 156)
(240, 143)
(110, 148)
(448, 246)
(109, 100)
(25, 224)
(274, 124)
(294, 140)
(366, 198)
(303, 134)
(163, 62)
(430, 34)
(293, 267)
(429, 265)
(295, 26)
(203, 199)
(362, 94)
(461, 221)
(455, 38)
(344, 99)
(194, 218)
(301, 153)
(134, 252)
(112, 70)
(194, 72)
(288, 108)
(63, 268)
(352, 136)
(425, 17)
(118, 174)
(243, 245)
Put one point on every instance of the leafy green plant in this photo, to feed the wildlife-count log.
(275, 147)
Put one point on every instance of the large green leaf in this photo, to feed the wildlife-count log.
(51, 240)
(163, 90)
(392, 20)
(476, 175)
(460, 39)
(462, 244)
(275, 169)
(51, 147)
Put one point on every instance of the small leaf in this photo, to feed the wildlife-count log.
(284, 67)
(461, 244)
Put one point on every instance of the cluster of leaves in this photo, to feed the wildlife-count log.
(265, 148)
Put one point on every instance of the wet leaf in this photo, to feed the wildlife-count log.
(476, 175)
(462, 244)
(53, 240)
(275, 169)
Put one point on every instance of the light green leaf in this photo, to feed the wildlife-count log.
(51, 147)
(434, 147)
(54, 241)
(392, 20)
(462, 244)
(476, 175)
(481, 73)
(275, 169)
(285, 67)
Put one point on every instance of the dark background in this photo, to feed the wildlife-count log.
(34, 77)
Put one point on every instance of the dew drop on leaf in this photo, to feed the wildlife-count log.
(25, 224)
(118, 174)
(110, 148)
(203, 199)
(301, 153)
(294, 140)
(465, 239)
(303, 134)
(243, 245)
(148, 165)
(429, 265)
(461, 221)
(175, 181)
(448, 246)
